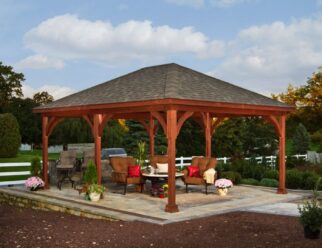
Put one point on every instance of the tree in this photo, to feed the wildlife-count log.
(43, 97)
(308, 101)
(301, 140)
(191, 140)
(10, 139)
(29, 122)
(10, 84)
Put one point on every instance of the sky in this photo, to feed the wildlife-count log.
(66, 46)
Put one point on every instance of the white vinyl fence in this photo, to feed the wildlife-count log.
(13, 169)
(22, 169)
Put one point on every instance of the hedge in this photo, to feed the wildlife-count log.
(10, 138)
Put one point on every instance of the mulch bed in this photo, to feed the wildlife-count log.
(36, 228)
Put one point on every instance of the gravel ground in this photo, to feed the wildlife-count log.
(35, 228)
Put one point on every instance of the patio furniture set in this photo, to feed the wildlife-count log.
(125, 172)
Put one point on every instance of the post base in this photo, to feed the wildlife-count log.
(171, 208)
(281, 191)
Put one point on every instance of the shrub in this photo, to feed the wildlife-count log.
(234, 176)
(294, 179)
(221, 167)
(258, 172)
(250, 181)
(271, 173)
(90, 176)
(35, 168)
(10, 138)
(310, 182)
(292, 162)
(268, 182)
(301, 140)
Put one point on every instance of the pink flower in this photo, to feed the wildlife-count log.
(223, 183)
(34, 182)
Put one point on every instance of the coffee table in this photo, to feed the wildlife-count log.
(157, 180)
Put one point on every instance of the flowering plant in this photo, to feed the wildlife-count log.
(34, 183)
(223, 183)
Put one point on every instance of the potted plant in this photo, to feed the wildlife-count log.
(222, 185)
(35, 182)
(95, 191)
(311, 215)
(141, 154)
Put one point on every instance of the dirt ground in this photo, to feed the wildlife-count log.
(36, 228)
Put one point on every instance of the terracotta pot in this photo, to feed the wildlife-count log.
(94, 196)
(222, 192)
(309, 234)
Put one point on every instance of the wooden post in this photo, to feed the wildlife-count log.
(208, 135)
(45, 150)
(98, 145)
(281, 187)
(171, 207)
(151, 135)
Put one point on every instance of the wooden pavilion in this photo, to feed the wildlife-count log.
(165, 95)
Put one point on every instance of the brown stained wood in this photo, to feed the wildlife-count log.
(282, 169)
(97, 139)
(45, 150)
(52, 123)
(161, 120)
(159, 105)
(105, 118)
(172, 135)
(182, 119)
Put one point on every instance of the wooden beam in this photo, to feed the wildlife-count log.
(182, 120)
(172, 207)
(282, 169)
(45, 150)
(98, 119)
(52, 123)
(161, 120)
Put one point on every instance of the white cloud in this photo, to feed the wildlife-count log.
(268, 57)
(55, 90)
(40, 62)
(226, 3)
(68, 37)
(191, 3)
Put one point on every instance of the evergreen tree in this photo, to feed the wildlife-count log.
(10, 138)
(301, 140)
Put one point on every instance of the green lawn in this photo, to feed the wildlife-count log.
(27, 156)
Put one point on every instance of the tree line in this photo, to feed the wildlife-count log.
(236, 137)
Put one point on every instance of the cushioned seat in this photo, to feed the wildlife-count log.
(158, 159)
(120, 173)
(203, 164)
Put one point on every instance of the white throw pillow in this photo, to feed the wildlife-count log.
(162, 168)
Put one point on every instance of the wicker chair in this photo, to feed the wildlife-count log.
(120, 172)
(162, 159)
(203, 164)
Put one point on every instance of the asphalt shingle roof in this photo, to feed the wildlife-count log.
(162, 82)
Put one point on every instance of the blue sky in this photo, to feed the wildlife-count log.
(66, 46)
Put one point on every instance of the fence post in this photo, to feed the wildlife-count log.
(225, 160)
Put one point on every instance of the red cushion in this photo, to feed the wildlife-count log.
(193, 171)
(134, 170)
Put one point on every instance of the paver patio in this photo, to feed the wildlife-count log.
(143, 207)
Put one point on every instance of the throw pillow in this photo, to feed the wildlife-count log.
(134, 170)
(193, 171)
(162, 168)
